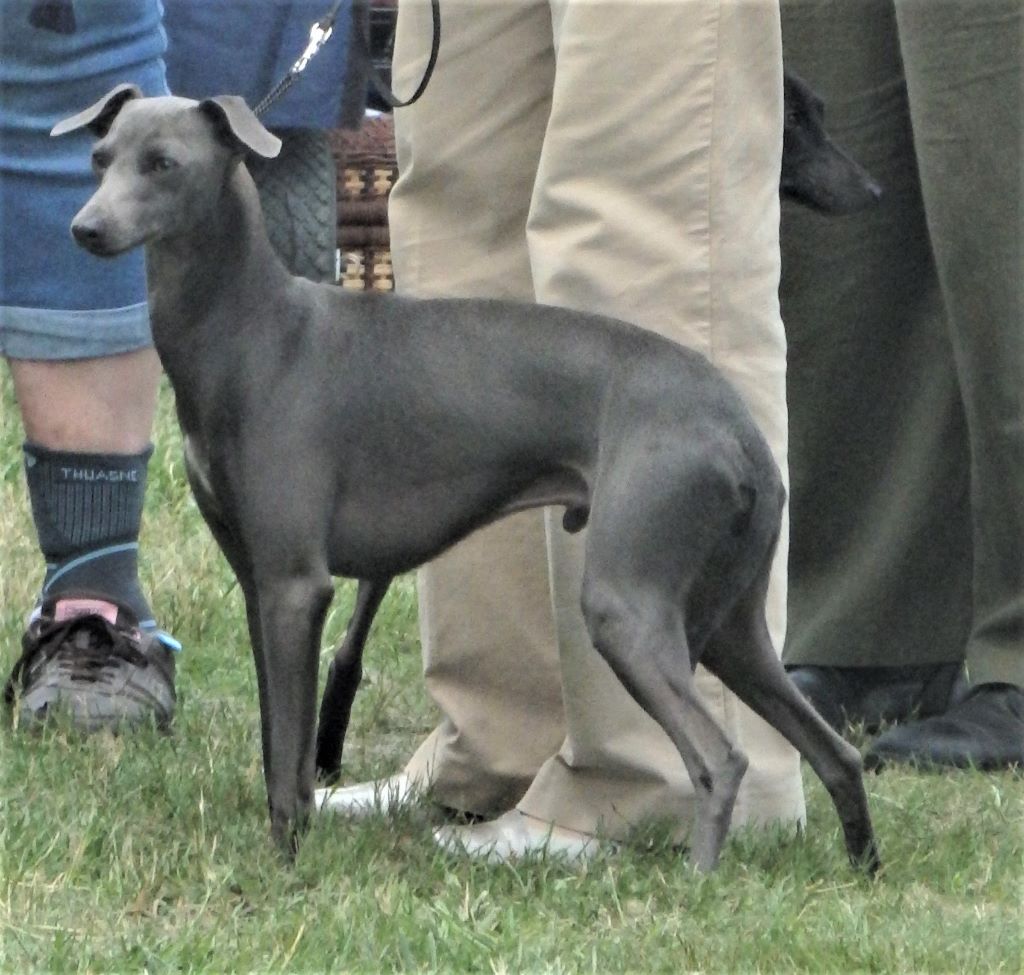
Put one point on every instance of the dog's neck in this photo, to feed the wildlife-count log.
(200, 280)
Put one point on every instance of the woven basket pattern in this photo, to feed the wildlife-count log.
(367, 170)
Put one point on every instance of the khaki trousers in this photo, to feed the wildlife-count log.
(620, 157)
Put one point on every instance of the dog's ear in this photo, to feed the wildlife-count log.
(237, 125)
(99, 117)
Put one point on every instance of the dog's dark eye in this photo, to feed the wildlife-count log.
(100, 161)
(160, 164)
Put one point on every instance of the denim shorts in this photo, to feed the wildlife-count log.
(56, 300)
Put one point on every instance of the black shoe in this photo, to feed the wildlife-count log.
(985, 731)
(87, 658)
(873, 696)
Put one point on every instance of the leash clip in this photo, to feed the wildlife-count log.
(318, 37)
(321, 32)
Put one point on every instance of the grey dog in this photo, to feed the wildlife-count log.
(330, 433)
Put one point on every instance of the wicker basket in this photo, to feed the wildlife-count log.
(367, 170)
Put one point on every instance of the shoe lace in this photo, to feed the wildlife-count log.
(84, 646)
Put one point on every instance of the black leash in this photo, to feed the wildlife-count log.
(320, 33)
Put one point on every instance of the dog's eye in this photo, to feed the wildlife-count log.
(159, 163)
(100, 161)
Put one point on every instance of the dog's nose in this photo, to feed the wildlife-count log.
(86, 234)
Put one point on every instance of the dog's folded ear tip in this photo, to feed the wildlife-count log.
(97, 116)
(264, 144)
(243, 124)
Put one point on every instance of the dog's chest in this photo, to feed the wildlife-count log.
(198, 466)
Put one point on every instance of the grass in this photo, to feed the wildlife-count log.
(151, 853)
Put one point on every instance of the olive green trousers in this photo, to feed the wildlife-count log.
(906, 343)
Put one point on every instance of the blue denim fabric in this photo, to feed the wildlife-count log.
(57, 301)
(244, 47)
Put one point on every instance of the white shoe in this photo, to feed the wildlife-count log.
(514, 835)
(367, 798)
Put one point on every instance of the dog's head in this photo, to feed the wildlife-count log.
(815, 171)
(161, 164)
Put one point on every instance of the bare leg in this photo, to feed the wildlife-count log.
(83, 419)
(89, 405)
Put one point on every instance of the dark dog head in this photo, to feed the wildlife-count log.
(815, 171)
(161, 164)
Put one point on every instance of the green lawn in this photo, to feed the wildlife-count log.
(152, 852)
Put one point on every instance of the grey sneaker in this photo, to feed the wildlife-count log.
(89, 659)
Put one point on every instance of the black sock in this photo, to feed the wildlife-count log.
(87, 510)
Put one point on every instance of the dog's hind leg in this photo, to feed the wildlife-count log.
(662, 508)
(291, 611)
(646, 647)
(343, 679)
(741, 655)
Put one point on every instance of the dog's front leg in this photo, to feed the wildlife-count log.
(252, 617)
(239, 562)
(291, 616)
